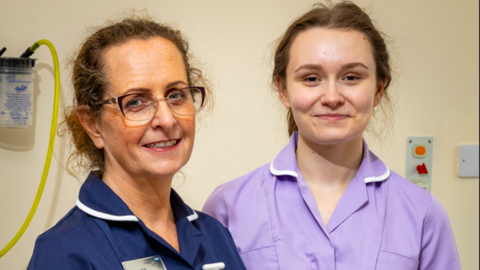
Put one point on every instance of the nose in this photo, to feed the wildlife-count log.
(331, 95)
(163, 117)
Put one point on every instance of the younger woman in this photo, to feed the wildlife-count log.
(326, 201)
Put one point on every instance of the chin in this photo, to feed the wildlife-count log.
(332, 141)
(332, 138)
(165, 169)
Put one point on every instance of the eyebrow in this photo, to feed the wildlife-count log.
(310, 67)
(175, 83)
(353, 65)
(136, 90)
(146, 90)
(319, 67)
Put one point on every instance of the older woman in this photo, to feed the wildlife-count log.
(326, 201)
(134, 121)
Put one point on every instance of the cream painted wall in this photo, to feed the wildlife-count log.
(436, 51)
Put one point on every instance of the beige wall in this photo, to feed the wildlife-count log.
(437, 59)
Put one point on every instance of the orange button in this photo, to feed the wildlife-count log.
(420, 150)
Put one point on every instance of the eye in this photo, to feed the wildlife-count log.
(311, 79)
(137, 102)
(134, 103)
(351, 78)
(177, 97)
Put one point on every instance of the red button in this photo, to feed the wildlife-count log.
(422, 169)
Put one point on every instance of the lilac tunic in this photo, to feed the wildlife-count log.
(381, 222)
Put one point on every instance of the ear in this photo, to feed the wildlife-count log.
(282, 92)
(379, 92)
(91, 126)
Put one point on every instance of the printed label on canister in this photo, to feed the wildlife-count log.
(16, 100)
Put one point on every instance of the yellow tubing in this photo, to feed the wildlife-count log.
(51, 143)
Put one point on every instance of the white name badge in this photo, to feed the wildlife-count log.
(148, 263)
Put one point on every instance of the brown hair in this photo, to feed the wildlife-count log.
(343, 15)
(90, 80)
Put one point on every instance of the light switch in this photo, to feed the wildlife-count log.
(419, 161)
(468, 161)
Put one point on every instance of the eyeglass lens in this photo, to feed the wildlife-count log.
(142, 106)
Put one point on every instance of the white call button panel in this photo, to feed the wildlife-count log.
(419, 161)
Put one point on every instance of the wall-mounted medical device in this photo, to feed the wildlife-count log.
(17, 81)
(418, 168)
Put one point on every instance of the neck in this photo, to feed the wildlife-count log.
(329, 166)
(147, 197)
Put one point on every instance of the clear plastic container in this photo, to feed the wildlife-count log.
(17, 82)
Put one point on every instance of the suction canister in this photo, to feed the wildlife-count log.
(17, 81)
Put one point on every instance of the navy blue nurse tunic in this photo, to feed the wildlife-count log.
(101, 232)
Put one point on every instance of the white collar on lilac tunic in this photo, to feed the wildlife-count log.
(285, 163)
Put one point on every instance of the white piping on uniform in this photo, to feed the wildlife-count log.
(286, 172)
(214, 266)
(101, 215)
(378, 178)
(193, 216)
(371, 179)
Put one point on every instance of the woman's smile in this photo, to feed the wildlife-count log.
(163, 144)
(164, 147)
(332, 117)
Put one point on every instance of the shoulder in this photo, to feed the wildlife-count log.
(241, 205)
(403, 192)
(208, 223)
(411, 202)
(214, 231)
(436, 214)
(68, 226)
(77, 226)
(238, 195)
(253, 179)
(60, 247)
(220, 238)
(417, 210)
(245, 184)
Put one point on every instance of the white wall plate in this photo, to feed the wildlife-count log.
(468, 161)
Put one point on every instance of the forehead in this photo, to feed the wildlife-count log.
(329, 47)
(137, 60)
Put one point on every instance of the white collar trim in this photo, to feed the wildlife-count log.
(371, 179)
(285, 172)
(101, 215)
(380, 178)
(193, 216)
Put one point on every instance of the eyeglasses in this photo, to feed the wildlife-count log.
(143, 106)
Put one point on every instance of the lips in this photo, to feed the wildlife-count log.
(164, 144)
(332, 117)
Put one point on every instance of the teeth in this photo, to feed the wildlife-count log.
(166, 144)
